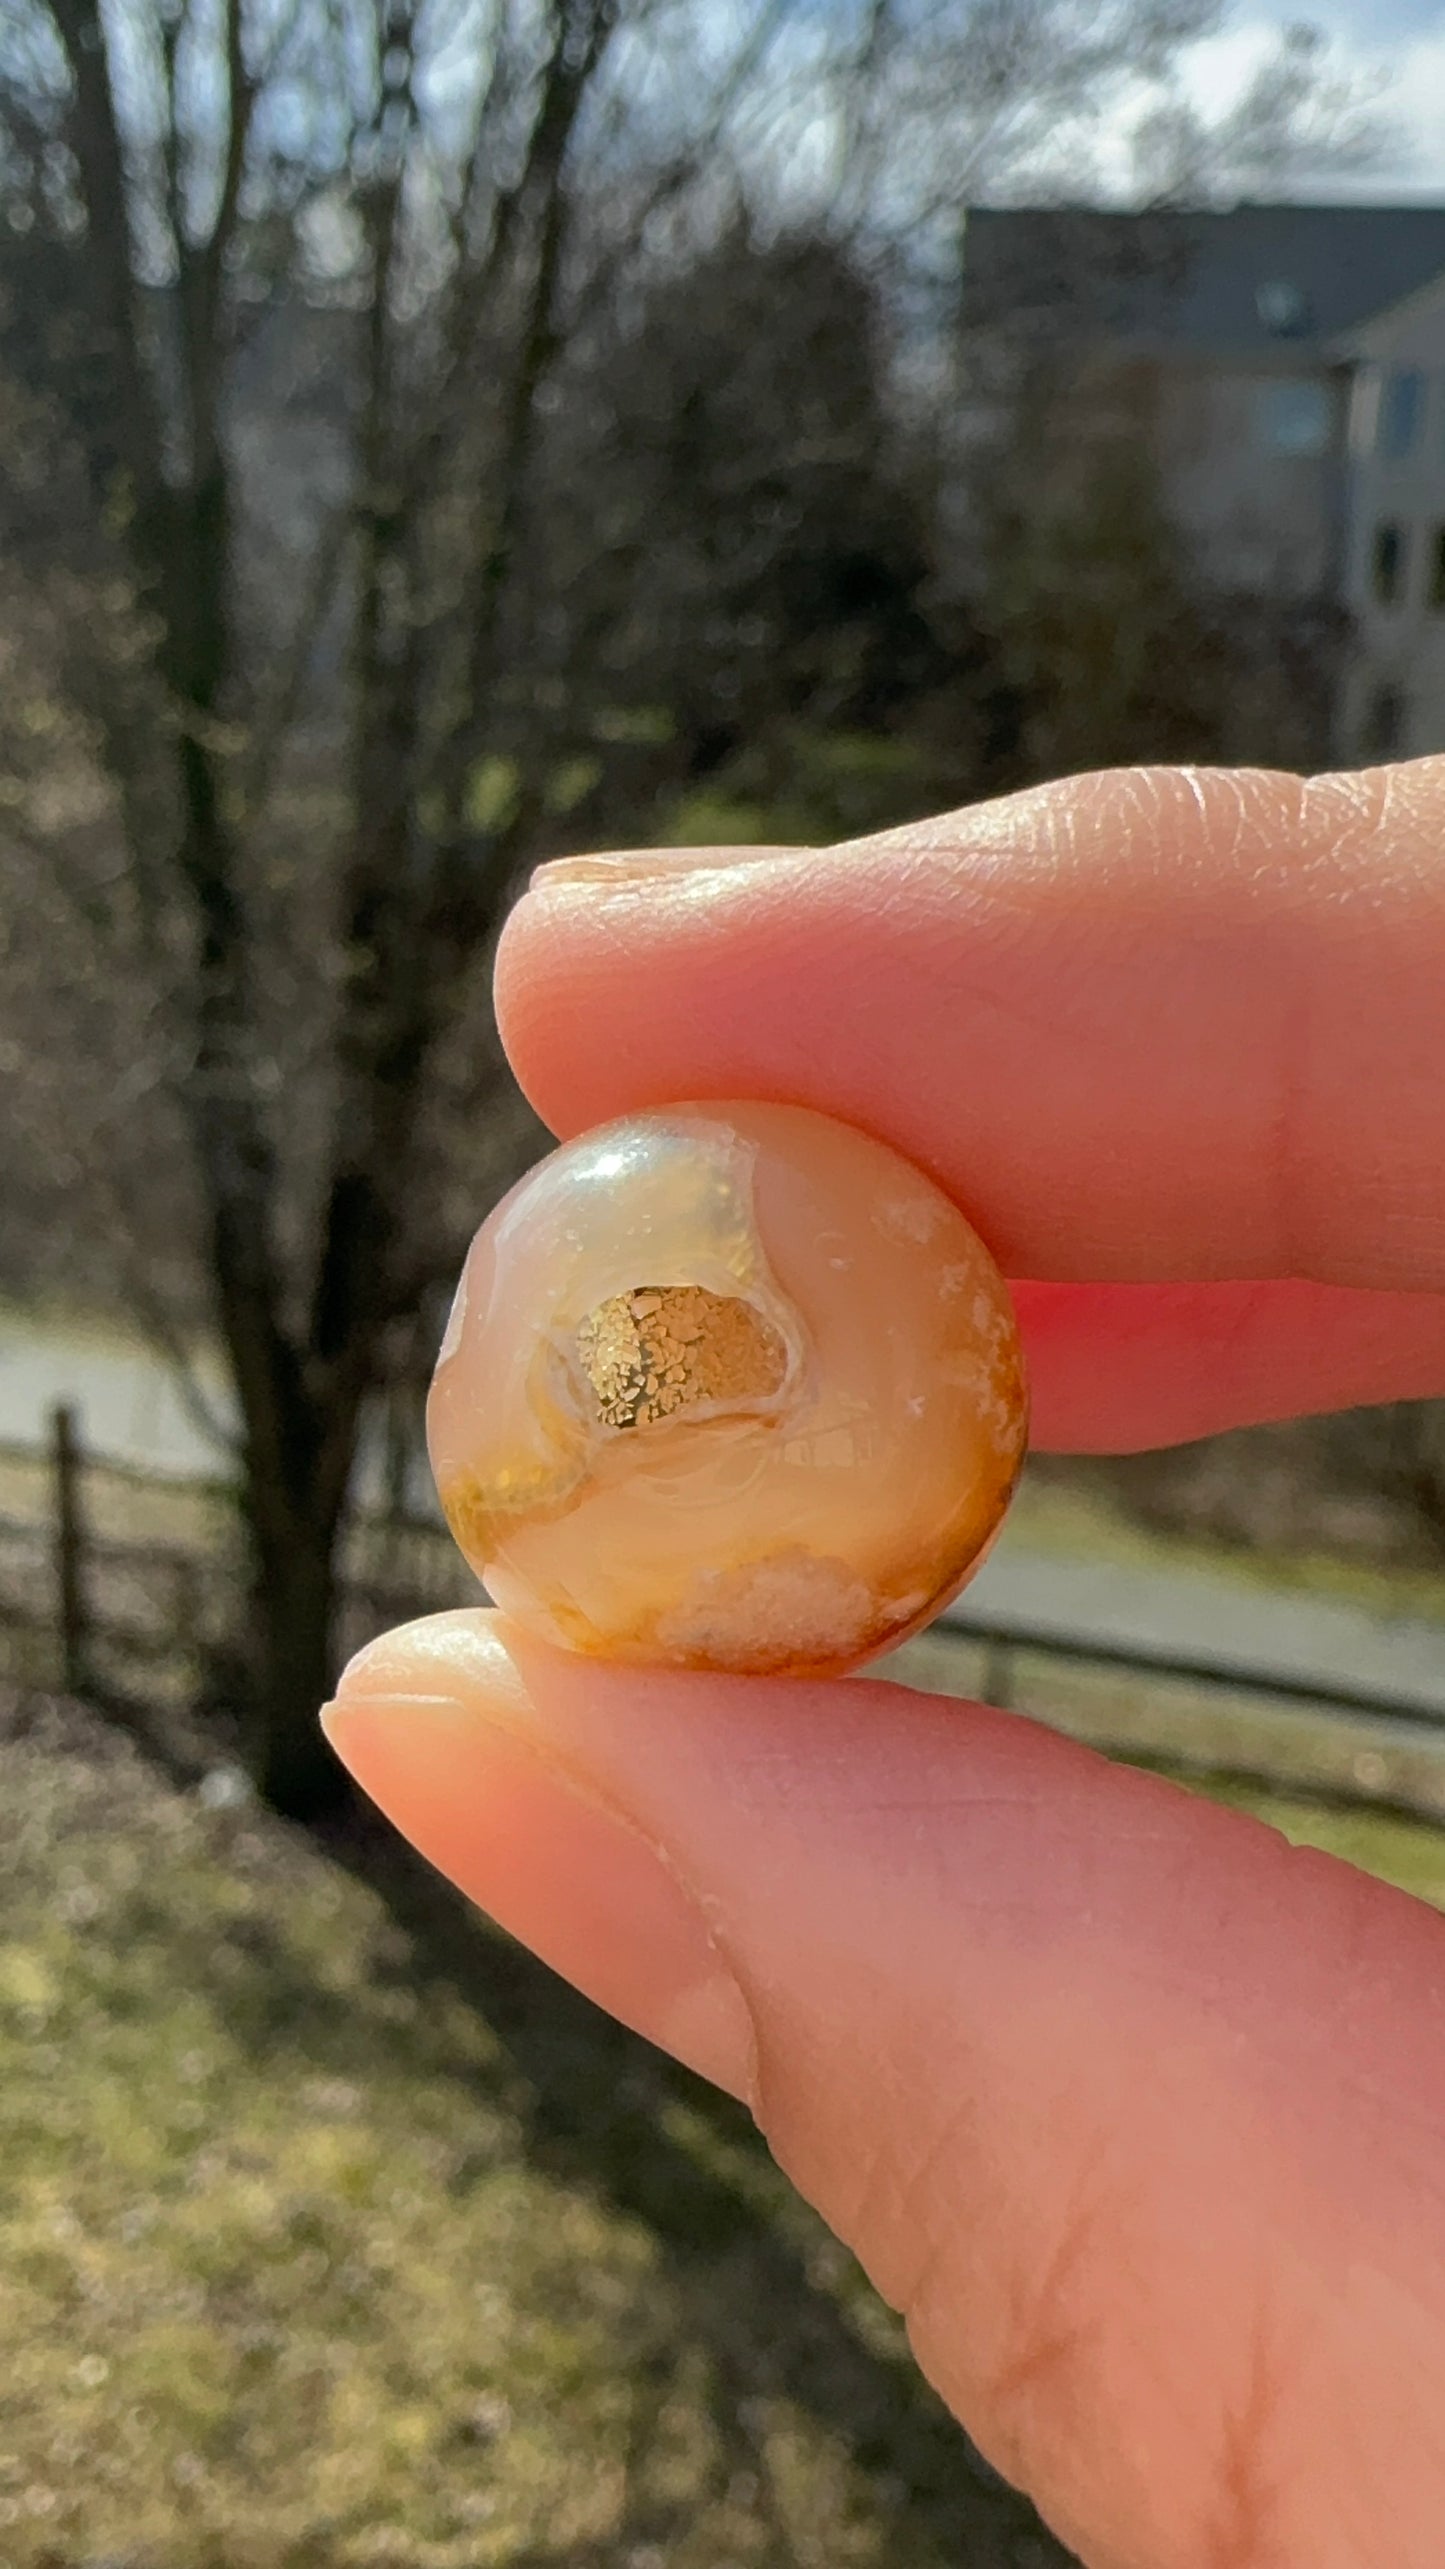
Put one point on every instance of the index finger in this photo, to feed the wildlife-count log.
(1147, 1025)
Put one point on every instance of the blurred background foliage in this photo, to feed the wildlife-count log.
(436, 434)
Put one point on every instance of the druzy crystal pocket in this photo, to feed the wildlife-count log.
(727, 1386)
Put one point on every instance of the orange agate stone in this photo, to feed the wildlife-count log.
(727, 1386)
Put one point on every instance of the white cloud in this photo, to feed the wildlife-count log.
(1402, 79)
(1221, 69)
(1417, 103)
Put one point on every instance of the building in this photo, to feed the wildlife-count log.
(1287, 365)
(1392, 698)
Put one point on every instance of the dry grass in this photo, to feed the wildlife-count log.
(335, 2232)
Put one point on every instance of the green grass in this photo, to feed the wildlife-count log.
(335, 2232)
(84, 1323)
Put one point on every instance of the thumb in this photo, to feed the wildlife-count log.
(1135, 2112)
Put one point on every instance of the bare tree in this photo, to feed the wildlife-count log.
(407, 181)
(294, 289)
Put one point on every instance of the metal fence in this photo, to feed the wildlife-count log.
(114, 1577)
(122, 1582)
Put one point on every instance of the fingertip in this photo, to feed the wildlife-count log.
(439, 1725)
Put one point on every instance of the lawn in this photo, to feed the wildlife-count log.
(335, 2231)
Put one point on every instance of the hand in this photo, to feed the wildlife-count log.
(1138, 2114)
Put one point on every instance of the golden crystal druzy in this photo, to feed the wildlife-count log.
(727, 1387)
(666, 1347)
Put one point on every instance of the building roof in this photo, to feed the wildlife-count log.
(1246, 281)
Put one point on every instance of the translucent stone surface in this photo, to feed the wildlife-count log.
(727, 1386)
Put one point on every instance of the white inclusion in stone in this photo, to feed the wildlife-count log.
(791, 1607)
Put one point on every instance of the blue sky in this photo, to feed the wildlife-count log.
(1402, 39)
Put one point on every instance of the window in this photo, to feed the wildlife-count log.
(1384, 730)
(1388, 563)
(1402, 401)
(1437, 571)
(1293, 417)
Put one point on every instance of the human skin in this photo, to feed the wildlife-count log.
(1136, 2113)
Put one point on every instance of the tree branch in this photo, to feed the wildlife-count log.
(183, 543)
(161, 1329)
(280, 702)
(495, 526)
(96, 141)
(241, 104)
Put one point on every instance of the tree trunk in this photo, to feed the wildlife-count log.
(295, 1593)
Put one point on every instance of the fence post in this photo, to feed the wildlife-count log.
(69, 1547)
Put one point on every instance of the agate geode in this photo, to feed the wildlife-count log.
(727, 1386)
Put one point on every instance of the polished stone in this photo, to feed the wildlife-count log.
(727, 1386)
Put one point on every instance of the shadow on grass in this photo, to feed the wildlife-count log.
(775, 2311)
(601, 2110)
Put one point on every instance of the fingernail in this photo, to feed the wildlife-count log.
(442, 1744)
(616, 868)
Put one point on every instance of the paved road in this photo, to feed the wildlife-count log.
(1228, 1626)
(130, 1409)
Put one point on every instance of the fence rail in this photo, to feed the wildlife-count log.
(1004, 1635)
(110, 1573)
(91, 1603)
